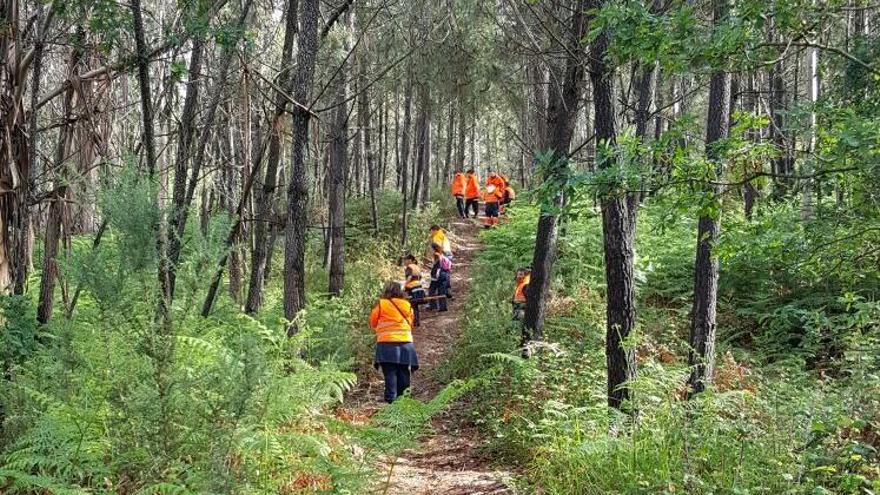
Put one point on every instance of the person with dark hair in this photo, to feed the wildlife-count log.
(412, 283)
(523, 278)
(393, 320)
(472, 194)
(440, 277)
(459, 184)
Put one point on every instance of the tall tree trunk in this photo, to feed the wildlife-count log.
(58, 204)
(450, 137)
(397, 167)
(807, 198)
(702, 339)
(782, 163)
(462, 134)
(424, 151)
(419, 147)
(185, 132)
(403, 164)
(149, 147)
(561, 116)
(539, 95)
(298, 191)
(337, 179)
(180, 206)
(366, 131)
(618, 231)
(15, 174)
(20, 228)
(266, 194)
(750, 104)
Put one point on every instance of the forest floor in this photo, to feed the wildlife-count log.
(449, 459)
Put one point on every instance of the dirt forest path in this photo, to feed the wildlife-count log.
(447, 460)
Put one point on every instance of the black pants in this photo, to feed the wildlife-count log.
(439, 287)
(416, 293)
(459, 205)
(396, 380)
(472, 203)
(492, 210)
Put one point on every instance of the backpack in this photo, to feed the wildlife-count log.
(445, 264)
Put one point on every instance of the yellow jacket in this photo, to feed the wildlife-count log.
(392, 320)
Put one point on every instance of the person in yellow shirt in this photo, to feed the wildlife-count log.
(393, 320)
(438, 237)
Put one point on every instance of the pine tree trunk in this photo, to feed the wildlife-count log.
(298, 191)
(403, 165)
(366, 131)
(337, 180)
(265, 195)
(450, 137)
(702, 339)
(618, 232)
(561, 115)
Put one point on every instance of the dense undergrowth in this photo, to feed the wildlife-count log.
(796, 402)
(106, 401)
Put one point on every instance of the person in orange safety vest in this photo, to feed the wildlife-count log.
(523, 278)
(492, 198)
(393, 320)
(471, 194)
(459, 184)
(412, 284)
(495, 179)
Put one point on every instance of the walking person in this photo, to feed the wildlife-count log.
(438, 236)
(459, 184)
(392, 319)
(472, 194)
(440, 277)
(492, 199)
(412, 284)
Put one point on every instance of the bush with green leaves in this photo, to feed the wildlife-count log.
(795, 409)
(108, 400)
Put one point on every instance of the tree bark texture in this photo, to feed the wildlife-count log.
(297, 192)
(701, 357)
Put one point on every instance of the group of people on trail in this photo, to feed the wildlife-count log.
(495, 195)
(397, 313)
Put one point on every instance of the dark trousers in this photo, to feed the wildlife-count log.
(459, 205)
(396, 380)
(472, 203)
(439, 287)
(417, 293)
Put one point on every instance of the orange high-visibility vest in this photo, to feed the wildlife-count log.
(494, 196)
(459, 183)
(519, 294)
(496, 181)
(472, 189)
(392, 320)
(413, 276)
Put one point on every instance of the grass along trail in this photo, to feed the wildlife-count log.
(447, 459)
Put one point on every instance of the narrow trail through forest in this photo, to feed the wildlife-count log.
(447, 459)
